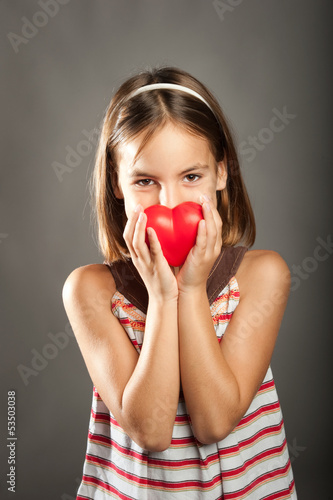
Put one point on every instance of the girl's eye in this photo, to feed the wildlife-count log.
(191, 177)
(144, 182)
(149, 182)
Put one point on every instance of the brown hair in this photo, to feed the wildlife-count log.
(126, 118)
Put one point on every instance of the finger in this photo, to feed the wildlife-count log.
(130, 227)
(216, 216)
(130, 224)
(210, 225)
(217, 219)
(201, 240)
(154, 244)
(139, 244)
(218, 225)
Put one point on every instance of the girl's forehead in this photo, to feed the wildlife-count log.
(168, 141)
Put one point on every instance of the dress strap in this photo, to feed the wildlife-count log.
(130, 284)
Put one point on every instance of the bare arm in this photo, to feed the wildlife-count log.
(141, 391)
(151, 395)
(220, 380)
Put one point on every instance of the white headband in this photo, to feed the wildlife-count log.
(171, 86)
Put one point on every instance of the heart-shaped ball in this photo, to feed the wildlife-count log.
(176, 229)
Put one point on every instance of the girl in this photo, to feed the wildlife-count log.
(177, 412)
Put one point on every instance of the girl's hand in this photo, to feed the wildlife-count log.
(195, 270)
(151, 263)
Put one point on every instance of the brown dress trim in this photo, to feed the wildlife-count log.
(130, 284)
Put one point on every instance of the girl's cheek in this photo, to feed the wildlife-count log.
(132, 201)
(130, 204)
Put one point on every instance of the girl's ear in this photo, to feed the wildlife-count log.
(222, 175)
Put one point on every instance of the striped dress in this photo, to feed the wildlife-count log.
(251, 463)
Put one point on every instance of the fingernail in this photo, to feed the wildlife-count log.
(207, 205)
(141, 217)
(206, 197)
(137, 208)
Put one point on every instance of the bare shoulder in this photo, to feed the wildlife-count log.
(265, 269)
(87, 281)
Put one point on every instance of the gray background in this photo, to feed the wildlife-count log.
(256, 57)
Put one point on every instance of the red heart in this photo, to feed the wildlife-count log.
(176, 229)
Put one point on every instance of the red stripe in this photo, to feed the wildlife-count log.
(274, 429)
(111, 466)
(109, 418)
(277, 450)
(181, 419)
(108, 441)
(105, 417)
(190, 440)
(257, 482)
(222, 317)
(103, 440)
(260, 411)
(266, 385)
(151, 482)
(185, 484)
(102, 484)
(178, 464)
(135, 324)
(99, 416)
(285, 493)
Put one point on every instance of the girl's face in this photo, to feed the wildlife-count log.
(175, 166)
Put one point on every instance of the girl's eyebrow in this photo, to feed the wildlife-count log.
(137, 172)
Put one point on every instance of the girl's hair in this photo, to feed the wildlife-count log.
(147, 112)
